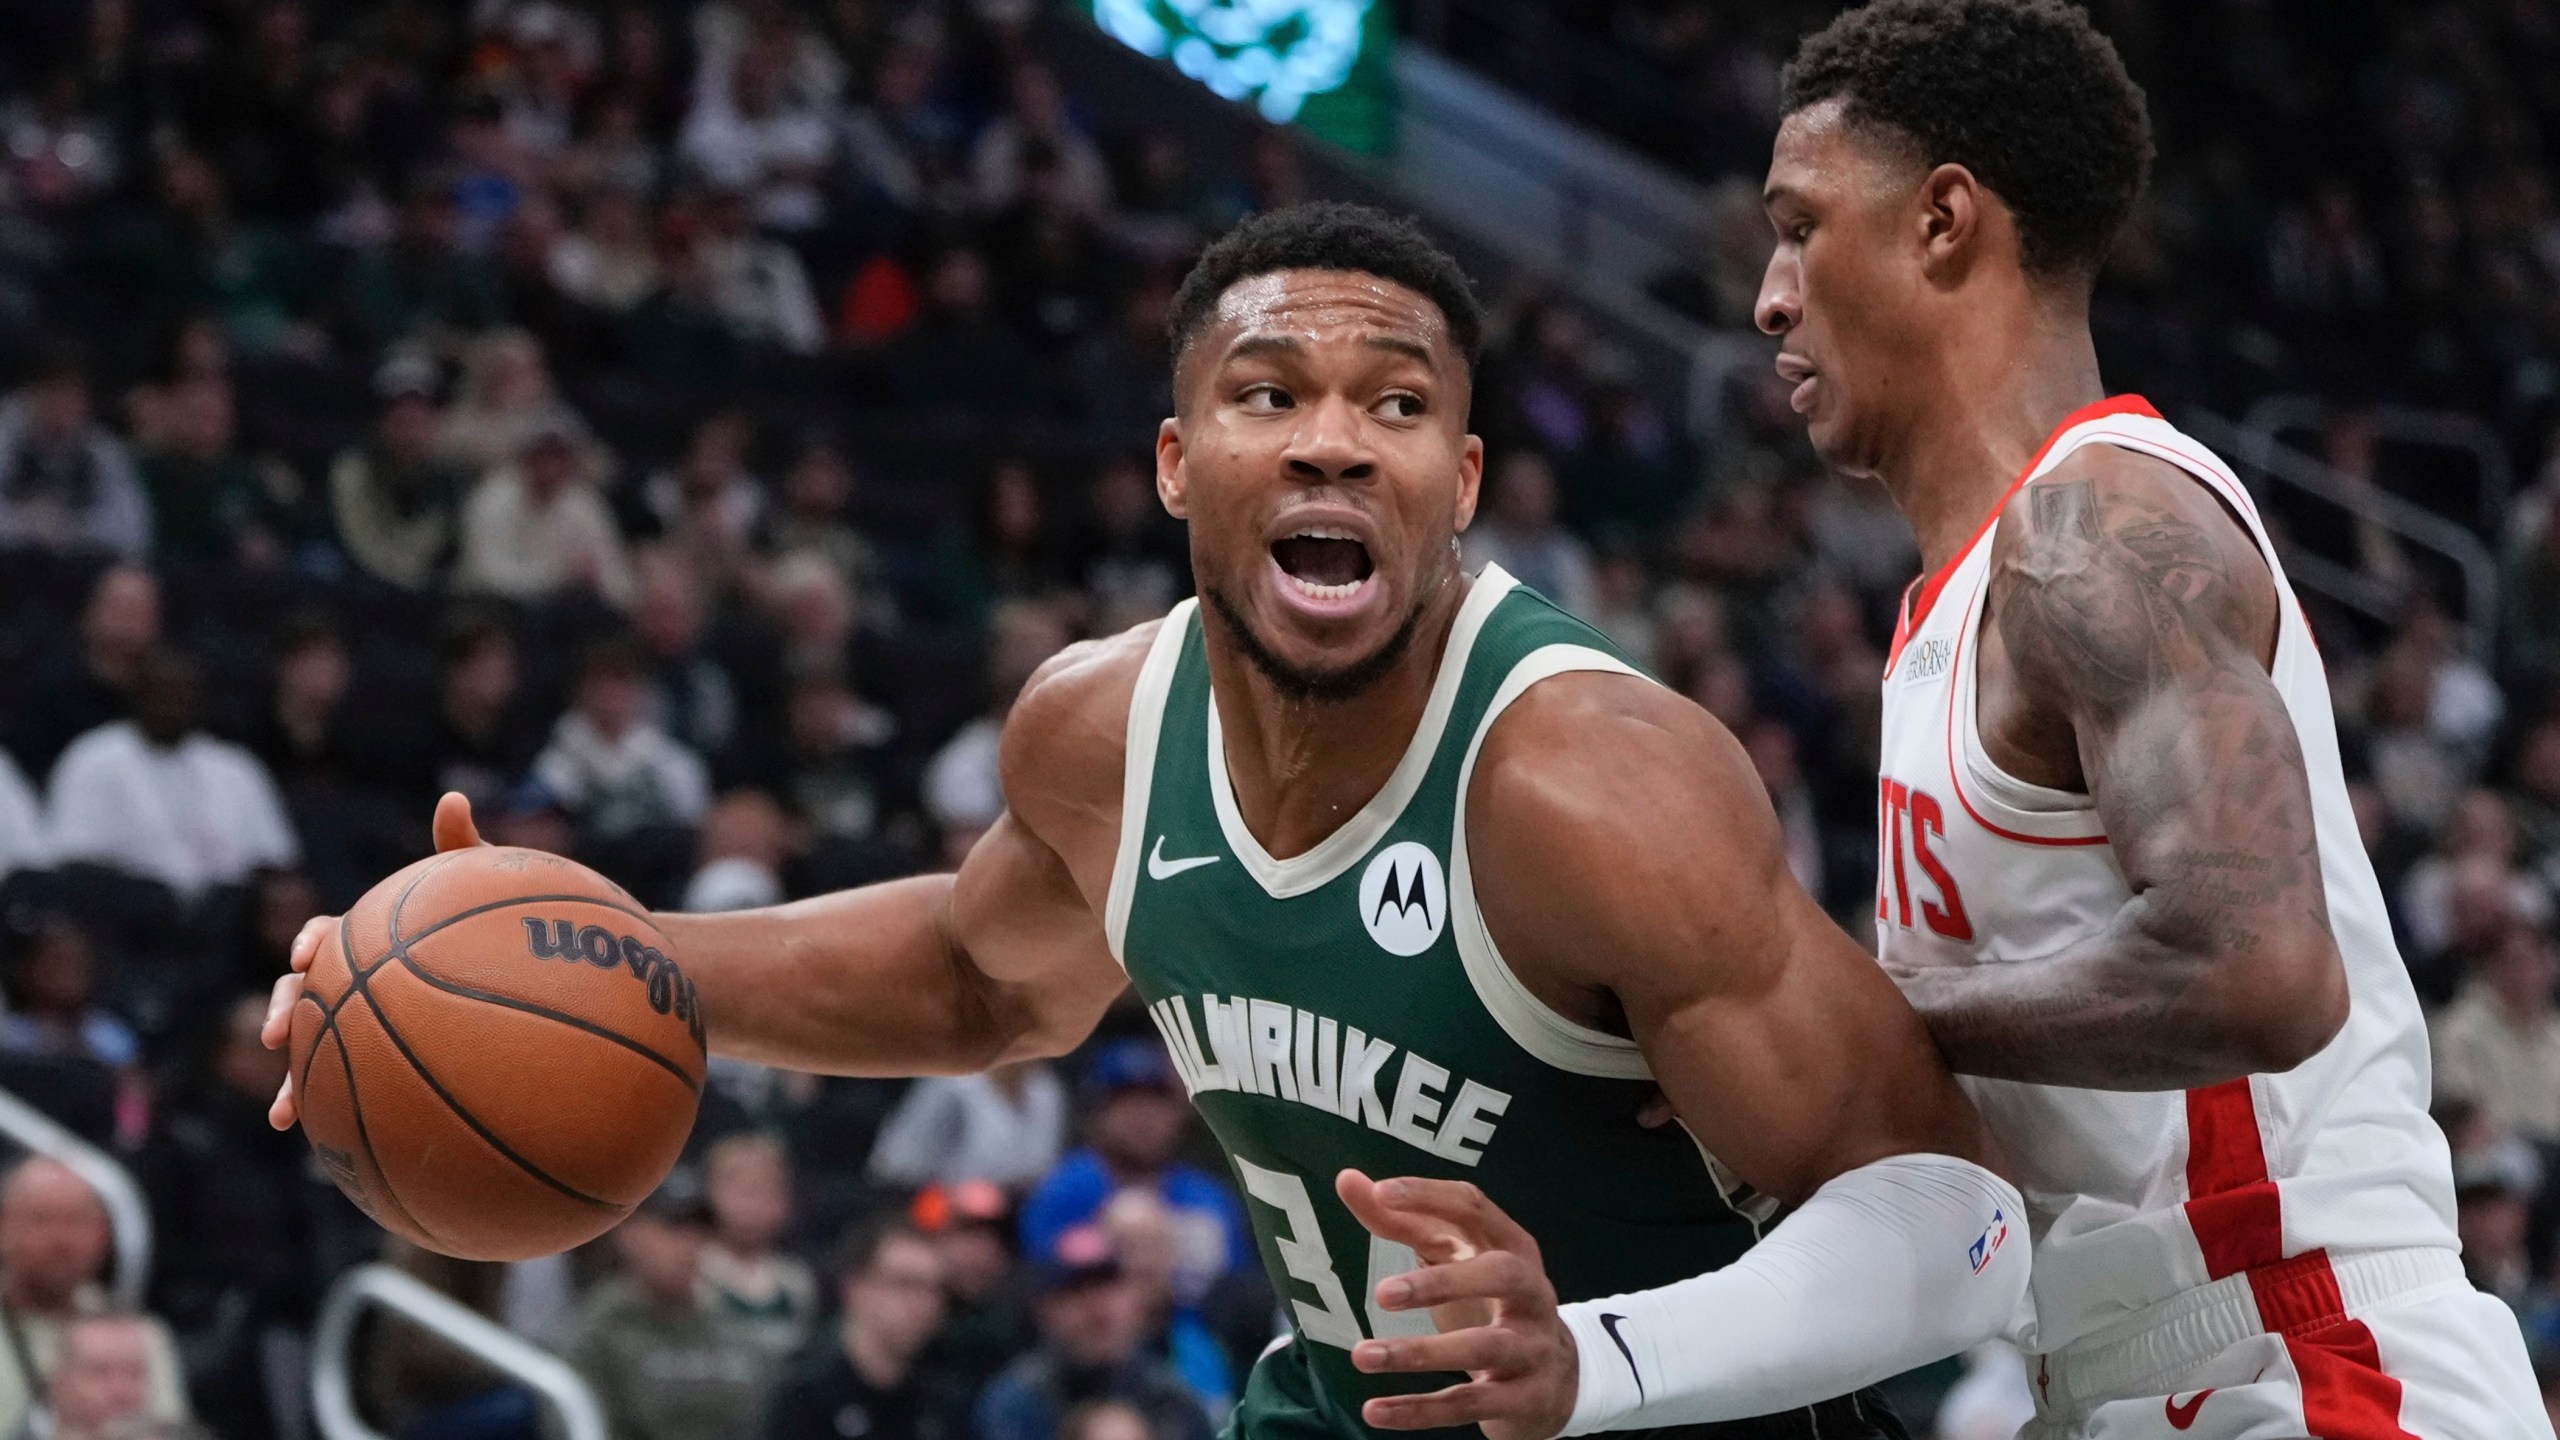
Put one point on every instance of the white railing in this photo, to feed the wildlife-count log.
(333, 1402)
(128, 1214)
(2468, 435)
(2263, 459)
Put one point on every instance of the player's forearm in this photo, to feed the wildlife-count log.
(2130, 1009)
(1887, 1267)
(865, 981)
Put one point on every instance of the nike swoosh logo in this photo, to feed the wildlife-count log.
(1609, 1323)
(2183, 1417)
(1159, 868)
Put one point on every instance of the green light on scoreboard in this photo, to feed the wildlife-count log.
(1321, 64)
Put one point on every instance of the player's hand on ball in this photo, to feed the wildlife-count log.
(453, 831)
(1486, 1287)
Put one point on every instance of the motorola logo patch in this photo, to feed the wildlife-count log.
(1404, 898)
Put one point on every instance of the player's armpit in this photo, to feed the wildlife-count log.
(2136, 613)
(1632, 875)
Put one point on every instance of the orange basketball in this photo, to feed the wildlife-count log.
(499, 1057)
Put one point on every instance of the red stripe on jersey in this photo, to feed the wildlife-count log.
(2345, 1394)
(1916, 605)
(2232, 1206)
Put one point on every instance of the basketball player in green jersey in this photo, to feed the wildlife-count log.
(1419, 879)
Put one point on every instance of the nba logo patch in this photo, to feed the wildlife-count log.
(1988, 1243)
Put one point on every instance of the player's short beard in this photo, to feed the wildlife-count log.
(1308, 686)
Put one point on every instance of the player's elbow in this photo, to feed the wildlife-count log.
(2294, 1002)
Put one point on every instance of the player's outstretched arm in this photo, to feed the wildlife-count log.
(1632, 876)
(2123, 589)
(937, 974)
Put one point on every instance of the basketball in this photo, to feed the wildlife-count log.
(498, 1058)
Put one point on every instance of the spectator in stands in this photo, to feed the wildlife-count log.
(817, 493)
(1035, 123)
(1006, 1125)
(156, 797)
(1147, 1237)
(960, 346)
(614, 770)
(770, 1296)
(423, 281)
(608, 262)
(507, 399)
(840, 769)
(2479, 828)
(866, 1379)
(1132, 559)
(663, 1365)
(1104, 1420)
(208, 501)
(396, 499)
(751, 132)
(54, 1239)
(481, 742)
(1517, 530)
(102, 1390)
(237, 1215)
(2480, 908)
(1009, 550)
(758, 284)
(65, 483)
(2537, 798)
(744, 842)
(988, 1320)
(708, 506)
(2493, 1190)
(1092, 1347)
(53, 1009)
(1134, 1128)
(70, 691)
(2498, 1044)
(536, 528)
(962, 789)
(692, 697)
(24, 842)
(2529, 621)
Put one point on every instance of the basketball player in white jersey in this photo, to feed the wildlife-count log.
(2119, 876)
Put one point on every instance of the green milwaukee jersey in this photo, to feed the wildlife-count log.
(1346, 1008)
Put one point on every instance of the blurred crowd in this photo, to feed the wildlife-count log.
(681, 427)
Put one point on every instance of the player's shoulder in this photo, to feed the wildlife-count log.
(1587, 756)
(2105, 491)
(1069, 728)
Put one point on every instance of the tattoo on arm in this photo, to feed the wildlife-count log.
(2124, 607)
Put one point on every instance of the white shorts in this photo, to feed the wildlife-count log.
(2407, 1350)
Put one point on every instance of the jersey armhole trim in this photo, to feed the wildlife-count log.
(1549, 1037)
(1138, 770)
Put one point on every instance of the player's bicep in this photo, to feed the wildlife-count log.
(1809, 1066)
(1030, 943)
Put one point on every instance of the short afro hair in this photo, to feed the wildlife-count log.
(2026, 94)
(1328, 235)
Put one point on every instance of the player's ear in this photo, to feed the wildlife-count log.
(1953, 208)
(1173, 483)
(1470, 479)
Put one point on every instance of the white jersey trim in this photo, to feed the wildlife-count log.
(1337, 852)
(1138, 769)
(1568, 1046)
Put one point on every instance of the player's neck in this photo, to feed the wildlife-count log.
(1301, 768)
(1994, 409)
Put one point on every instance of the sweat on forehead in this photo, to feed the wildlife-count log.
(1312, 306)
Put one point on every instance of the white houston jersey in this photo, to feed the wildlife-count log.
(2135, 1198)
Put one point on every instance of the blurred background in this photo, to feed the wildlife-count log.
(681, 427)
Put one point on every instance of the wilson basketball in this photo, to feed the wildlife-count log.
(499, 1057)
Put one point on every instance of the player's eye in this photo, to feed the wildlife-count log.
(1398, 405)
(1265, 398)
(1799, 230)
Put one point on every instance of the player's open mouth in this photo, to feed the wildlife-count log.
(1324, 568)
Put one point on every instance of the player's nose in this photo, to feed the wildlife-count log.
(1780, 307)
(1329, 445)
